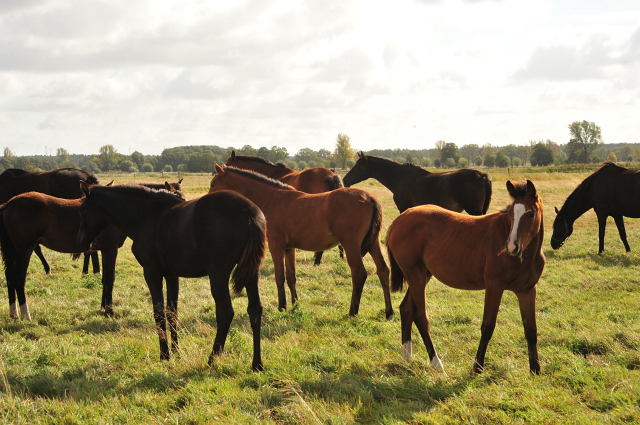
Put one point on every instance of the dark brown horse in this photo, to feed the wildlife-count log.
(611, 191)
(460, 190)
(311, 180)
(496, 252)
(172, 238)
(33, 218)
(313, 222)
(62, 183)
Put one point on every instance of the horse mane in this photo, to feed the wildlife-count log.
(82, 175)
(143, 191)
(156, 185)
(412, 167)
(261, 161)
(253, 175)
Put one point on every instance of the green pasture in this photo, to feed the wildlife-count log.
(73, 365)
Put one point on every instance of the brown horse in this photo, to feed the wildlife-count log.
(311, 180)
(460, 190)
(62, 183)
(313, 222)
(611, 191)
(208, 236)
(33, 218)
(496, 252)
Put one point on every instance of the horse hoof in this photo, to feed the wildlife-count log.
(97, 274)
(477, 369)
(390, 315)
(257, 367)
(406, 351)
(436, 364)
(83, 274)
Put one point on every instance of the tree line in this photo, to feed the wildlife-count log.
(585, 146)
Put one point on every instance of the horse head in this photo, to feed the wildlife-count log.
(92, 222)
(218, 180)
(562, 229)
(525, 214)
(359, 171)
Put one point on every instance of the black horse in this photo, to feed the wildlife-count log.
(208, 236)
(461, 190)
(62, 183)
(611, 191)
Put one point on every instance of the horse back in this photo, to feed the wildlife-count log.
(314, 180)
(616, 191)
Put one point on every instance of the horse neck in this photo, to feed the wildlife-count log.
(577, 203)
(389, 173)
(124, 212)
(259, 193)
(272, 171)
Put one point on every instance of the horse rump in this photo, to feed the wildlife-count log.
(374, 227)
(333, 182)
(488, 191)
(7, 249)
(248, 267)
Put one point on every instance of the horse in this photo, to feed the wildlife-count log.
(313, 222)
(34, 218)
(495, 252)
(611, 191)
(173, 238)
(460, 190)
(61, 183)
(311, 180)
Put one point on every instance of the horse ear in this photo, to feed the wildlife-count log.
(556, 208)
(219, 169)
(233, 154)
(168, 187)
(531, 189)
(510, 188)
(360, 154)
(180, 181)
(84, 188)
(110, 183)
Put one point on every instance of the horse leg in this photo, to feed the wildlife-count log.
(358, 276)
(20, 274)
(277, 255)
(602, 224)
(85, 267)
(38, 251)
(382, 270)
(109, 257)
(527, 301)
(492, 298)
(254, 309)
(154, 282)
(95, 260)
(9, 273)
(173, 287)
(224, 310)
(290, 273)
(341, 250)
(417, 279)
(318, 258)
(406, 320)
(623, 234)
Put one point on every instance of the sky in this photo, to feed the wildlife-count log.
(147, 75)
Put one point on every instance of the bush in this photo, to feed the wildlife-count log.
(436, 163)
(168, 168)
(182, 167)
(399, 159)
(302, 165)
(128, 166)
(612, 157)
(477, 161)
(425, 162)
(502, 160)
(292, 164)
(450, 163)
(91, 167)
(350, 163)
(490, 160)
(146, 168)
(463, 162)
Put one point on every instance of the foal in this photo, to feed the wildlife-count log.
(495, 252)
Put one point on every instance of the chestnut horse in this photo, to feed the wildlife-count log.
(173, 238)
(61, 183)
(493, 252)
(33, 218)
(311, 180)
(460, 190)
(313, 222)
(611, 191)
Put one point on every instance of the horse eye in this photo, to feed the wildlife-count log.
(532, 214)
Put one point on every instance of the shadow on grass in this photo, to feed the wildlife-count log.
(607, 259)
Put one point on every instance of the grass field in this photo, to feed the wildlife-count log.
(73, 365)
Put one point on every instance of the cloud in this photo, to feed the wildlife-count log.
(559, 63)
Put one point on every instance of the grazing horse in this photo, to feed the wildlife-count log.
(62, 183)
(460, 190)
(611, 191)
(311, 180)
(313, 222)
(34, 218)
(173, 238)
(493, 252)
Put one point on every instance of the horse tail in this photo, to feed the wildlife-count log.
(246, 272)
(333, 182)
(397, 277)
(374, 227)
(488, 191)
(7, 248)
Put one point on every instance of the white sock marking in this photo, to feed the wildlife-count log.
(13, 310)
(436, 364)
(406, 351)
(24, 309)
(518, 212)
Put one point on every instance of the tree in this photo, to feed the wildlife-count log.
(470, 151)
(8, 153)
(425, 162)
(541, 155)
(206, 162)
(305, 154)
(324, 154)
(138, 159)
(612, 157)
(108, 157)
(477, 161)
(489, 160)
(463, 162)
(585, 138)
(449, 150)
(62, 154)
(194, 164)
(277, 154)
(516, 162)
(247, 150)
(502, 160)
(302, 165)
(343, 151)
(450, 162)
(439, 146)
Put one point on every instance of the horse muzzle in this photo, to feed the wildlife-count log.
(516, 252)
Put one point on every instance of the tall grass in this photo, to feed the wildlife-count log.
(71, 364)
